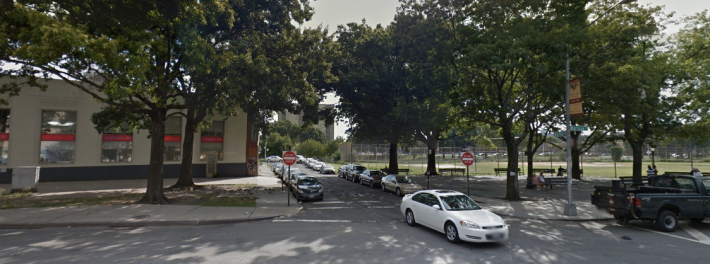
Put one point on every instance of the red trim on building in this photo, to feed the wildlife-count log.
(172, 138)
(4, 136)
(122, 138)
(58, 137)
(212, 139)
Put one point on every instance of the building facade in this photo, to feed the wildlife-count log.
(53, 130)
(297, 119)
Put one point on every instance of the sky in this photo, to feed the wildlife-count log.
(331, 13)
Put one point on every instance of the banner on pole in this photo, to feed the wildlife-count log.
(575, 98)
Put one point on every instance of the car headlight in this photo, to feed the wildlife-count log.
(470, 224)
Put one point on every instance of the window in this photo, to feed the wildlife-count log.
(172, 139)
(116, 146)
(58, 137)
(212, 140)
(4, 135)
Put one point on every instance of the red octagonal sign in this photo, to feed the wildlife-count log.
(289, 158)
(467, 159)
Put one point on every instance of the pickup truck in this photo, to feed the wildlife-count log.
(667, 199)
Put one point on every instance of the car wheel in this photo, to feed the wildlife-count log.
(667, 221)
(383, 187)
(399, 192)
(410, 218)
(372, 185)
(353, 178)
(452, 234)
(361, 181)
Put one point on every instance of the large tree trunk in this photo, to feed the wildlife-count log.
(512, 192)
(575, 163)
(185, 179)
(154, 192)
(637, 148)
(394, 167)
(530, 157)
(431, 156)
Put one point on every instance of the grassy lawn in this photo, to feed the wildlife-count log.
(591, 169)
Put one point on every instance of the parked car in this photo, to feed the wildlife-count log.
(327, 168)
(307, 188)
(284, 175)
(454, 214)
(317, 165)
(400, 185)
(300, 159)
(309, 162)
(273, 159)
(667, 199)
(372, 177)
(354, 172)
(341, 171)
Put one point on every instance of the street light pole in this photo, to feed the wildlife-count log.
(571, 207)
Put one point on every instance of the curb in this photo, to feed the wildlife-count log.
(144, 223)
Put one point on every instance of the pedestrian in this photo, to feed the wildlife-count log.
(655, 171)
(697, 173)
(650, 173)
(559, 171)
(536, 182)
(541, 180)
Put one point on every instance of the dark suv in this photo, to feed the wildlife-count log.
(354, 171)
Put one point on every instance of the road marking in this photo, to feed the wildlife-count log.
(328, 208)
(695, 233)
(329, 202)
(315, 221)
(368, 201)
(380, 207)
(662, 233)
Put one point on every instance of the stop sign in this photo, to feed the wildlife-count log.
(467, 159)
(289, 158)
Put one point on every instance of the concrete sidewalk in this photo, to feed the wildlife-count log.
(543, 205)
(270, 204)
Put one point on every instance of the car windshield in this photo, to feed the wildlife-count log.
(359, 168)
(310, 181)
(376, 173)
(405, 180)
(459, 203)
(328, 166)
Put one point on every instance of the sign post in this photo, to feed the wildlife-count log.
(289, 158)
(467, 159)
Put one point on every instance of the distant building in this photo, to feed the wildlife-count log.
(297, 119)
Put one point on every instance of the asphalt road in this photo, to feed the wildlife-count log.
(354, 224)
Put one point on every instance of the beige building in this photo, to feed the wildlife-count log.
(297, 119)
(53, 130)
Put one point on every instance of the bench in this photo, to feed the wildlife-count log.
(498, 170)
(452, 170)
(550, 181)
(398, 170)
(537, 171)
(629, 180)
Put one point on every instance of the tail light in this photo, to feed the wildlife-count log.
(637, 202)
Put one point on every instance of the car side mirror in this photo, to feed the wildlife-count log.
(436, 206)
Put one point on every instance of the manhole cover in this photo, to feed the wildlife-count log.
(138, 217)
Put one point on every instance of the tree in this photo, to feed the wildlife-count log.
(507, 55)
(135, 56)
(275, 143)
(424, 31)
(632, 89)
(312, 148)
(370, 84)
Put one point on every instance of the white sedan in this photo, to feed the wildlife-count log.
(454, 214)
(273, 159)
